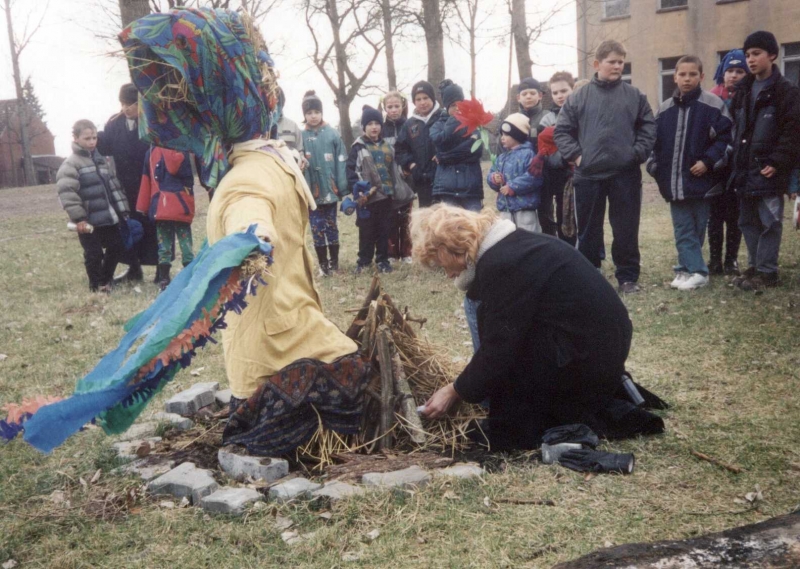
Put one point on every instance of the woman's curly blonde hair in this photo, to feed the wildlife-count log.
(442, 233)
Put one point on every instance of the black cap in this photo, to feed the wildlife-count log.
(451, 93)
(529, 83)
(368, 114)
(763, 40)
(311, 102)
(422, 87)
(128, 95)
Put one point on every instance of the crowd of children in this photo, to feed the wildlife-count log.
(721, 159)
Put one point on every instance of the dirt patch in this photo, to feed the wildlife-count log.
(29, 202)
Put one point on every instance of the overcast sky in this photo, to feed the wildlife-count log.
(77, 75)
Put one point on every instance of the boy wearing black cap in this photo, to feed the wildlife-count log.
(529, 97)
(414, 149)
(766, 115)
(371, 163)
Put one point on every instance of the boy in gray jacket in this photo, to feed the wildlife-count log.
(607, 130)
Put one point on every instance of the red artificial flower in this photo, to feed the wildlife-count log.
(472, 115)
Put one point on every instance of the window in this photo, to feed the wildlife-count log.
(790, 62)
(626, 74)
(666, 68)
(670, 4)
(616, 8)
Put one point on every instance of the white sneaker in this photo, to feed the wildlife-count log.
(695, 280)
(407, 260)
(680, 277)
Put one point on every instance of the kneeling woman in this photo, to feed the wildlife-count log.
(554, 335)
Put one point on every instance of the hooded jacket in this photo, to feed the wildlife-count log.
(167, 193)
(391, 129)
(88, 190)
(690, 128)
(514, 165)
(769, 135)
(610, 125)
(414, 146)
(363, 165)
(459, 172)
(325, 174)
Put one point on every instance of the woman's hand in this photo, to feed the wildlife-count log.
(440, 402)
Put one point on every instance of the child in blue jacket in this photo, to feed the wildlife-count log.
(519, 191)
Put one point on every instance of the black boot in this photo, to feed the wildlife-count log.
(132, 275)
(715, 266)
(162, 274)
(322, 255)
(731, 267)
(334, 264)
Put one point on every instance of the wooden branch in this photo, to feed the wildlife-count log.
(387, 387)
(714, 461)
(522, 502)
(367, 336)
(360, 319)
(408, 406)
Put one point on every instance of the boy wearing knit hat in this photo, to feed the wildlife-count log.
(414, 149)
(370, 166)
(518, 190)
(766, 115)
(529, 97)
(327, 179)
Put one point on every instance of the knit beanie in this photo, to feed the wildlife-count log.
(763, 40)
(734, 59)
(311, 102)
(451, 93)
(368, 114)
(517, 126)
(128, 95)
(423, 87)
(529, 83)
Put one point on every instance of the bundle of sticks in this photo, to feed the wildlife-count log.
(406, 371)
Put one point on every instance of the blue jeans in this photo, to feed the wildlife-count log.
(471, 312)
(470, 204)
(689, 221)
(761, 222)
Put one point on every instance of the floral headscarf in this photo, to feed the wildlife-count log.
(206, 81)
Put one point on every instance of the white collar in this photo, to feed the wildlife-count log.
(427, 117)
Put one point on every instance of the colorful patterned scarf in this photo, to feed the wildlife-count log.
(206, 81)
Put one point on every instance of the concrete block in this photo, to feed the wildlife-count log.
(188, 402)
(178, 421)
(291, 489)
(411, 477)
(185, 480)
(240, 466)
(461, 470)
(126, 450)
(231, 501)
(147, 468)
(337, 490)
(223, 397)
(139, 431)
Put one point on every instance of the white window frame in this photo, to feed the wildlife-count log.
(661, 7)
(664, 73)
(605, 7)
(628, 77)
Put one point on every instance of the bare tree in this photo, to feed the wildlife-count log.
(472, 18)
(525, 36)
(17, 45)
(131, 10)
(355, 35)
(431, 21)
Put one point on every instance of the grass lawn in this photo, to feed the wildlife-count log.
(725, 360)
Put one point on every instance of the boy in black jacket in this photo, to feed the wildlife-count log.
(766, 116)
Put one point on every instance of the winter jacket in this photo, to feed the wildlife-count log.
(610, 125)
(290, 133)
(550, 325)
(414, 146)
(88, 190)
(767, 136)
(124, 146)
(459, 171)
(514, 165)
(374, 162)
(391, 130)
(721, 92)
(284, 322)
(325, 173)
(535, 115)
(166, 193)
(690, 128)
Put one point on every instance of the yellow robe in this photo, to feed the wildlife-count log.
(284, 322)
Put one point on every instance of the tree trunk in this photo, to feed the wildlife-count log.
(434, 39)
(342, 99)
(345, 123)
(131, 10)
(27, 160)
(519, 28)
(388, 36)
(473, 53)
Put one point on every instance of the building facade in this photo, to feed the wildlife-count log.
(657, 33)
(42, 148)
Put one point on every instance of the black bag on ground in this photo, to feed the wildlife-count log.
(577, 433)
(597, 461)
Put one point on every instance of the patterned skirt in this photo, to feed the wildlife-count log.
(286, 409)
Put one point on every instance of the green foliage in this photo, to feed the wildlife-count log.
(32, 100)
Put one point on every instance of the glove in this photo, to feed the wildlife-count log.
(597, 461)
(580, 434)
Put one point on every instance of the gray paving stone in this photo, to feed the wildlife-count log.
(231, 501)
(462, 470)
(337, 490)
(223, 397)
(178, 421)
(291, 489)
(139, 431)
(126, 450)
(239, 466)
(147, 468)
(184, 480)
(410, 477)
(187, 402)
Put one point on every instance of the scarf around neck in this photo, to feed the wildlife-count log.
(427, 117)
(499, 230)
